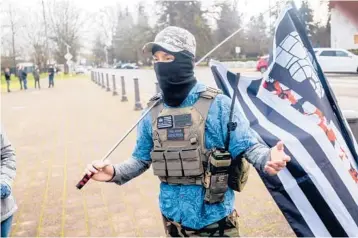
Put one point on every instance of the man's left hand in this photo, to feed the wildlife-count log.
(278, 159)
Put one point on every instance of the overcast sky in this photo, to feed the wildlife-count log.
(249, 7)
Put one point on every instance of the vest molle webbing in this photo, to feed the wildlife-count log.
(179, 152)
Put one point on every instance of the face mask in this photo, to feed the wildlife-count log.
(175, 78)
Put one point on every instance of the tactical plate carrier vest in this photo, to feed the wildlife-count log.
(179, 155)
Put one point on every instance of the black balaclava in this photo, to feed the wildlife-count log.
(175, 78)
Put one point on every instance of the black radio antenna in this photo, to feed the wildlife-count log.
(231, 126)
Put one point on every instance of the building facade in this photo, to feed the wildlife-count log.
(344, 24)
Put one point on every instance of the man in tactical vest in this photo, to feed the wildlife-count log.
(183, 138)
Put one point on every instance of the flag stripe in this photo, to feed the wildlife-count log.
(345, 147)
(313, 224)
(320, 181)
(344, 128)
(294, 217)
(323, 154)
(312, 194)
(318, 190)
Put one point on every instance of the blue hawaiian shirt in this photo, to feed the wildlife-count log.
(185, 203)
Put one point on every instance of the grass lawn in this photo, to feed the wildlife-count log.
(15, 84)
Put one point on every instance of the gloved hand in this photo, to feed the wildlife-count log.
(5, 191)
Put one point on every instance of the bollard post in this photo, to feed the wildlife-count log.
(98, 79)
(92, 76)
(157, 88)
(107, 78)
(114, 85)
(138, 104)
(124, 96)
(103, 81)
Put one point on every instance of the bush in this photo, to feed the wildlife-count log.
(354, 51)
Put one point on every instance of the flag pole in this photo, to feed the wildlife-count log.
(227, 38)
(220, 44)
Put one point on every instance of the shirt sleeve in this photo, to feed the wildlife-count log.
(243, 140)
(8, 160)
(140, 160)
(144, 143)
(129, 169)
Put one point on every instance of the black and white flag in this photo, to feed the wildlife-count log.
(293, 102)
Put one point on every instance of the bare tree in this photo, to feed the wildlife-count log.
(35, 36)
(13, 24)
(107, 20)
(66, 22)
(46, 32)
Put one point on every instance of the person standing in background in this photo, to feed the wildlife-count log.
(51, 75)
(24, 77)
(36, 74)
(7, 78)
(8, 173)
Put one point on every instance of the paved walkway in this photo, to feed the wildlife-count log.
(57, 131)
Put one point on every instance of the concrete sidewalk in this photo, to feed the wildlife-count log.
(57, 131)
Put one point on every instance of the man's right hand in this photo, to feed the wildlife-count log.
(102, 170)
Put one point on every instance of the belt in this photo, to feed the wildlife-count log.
(175, 229)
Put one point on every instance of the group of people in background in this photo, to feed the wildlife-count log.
(8, 157)
(22, 77)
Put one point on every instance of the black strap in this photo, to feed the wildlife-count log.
(222, 224)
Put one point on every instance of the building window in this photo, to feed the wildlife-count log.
(356, 39)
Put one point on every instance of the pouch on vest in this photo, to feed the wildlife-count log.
(238, 173)
(179, 152)
(183, 161)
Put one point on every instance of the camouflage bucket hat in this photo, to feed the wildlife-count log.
(174, 39)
